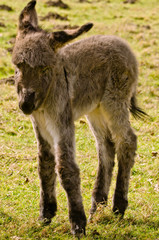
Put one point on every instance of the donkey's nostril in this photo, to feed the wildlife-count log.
(27, 105)
(27, 108)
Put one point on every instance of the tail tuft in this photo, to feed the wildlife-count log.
(136, 111)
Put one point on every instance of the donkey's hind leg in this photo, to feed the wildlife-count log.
(117, 115)
(106, 153)
(125, 154)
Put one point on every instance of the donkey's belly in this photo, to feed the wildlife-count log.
(83, 109)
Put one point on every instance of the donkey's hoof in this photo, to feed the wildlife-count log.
(78, 231)
(78, 223)
(118, 213)
(119, 206)
(99, 199)
(45, 221)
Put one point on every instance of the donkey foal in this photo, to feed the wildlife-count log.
(56, 85)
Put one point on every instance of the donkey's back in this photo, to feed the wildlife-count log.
(95, 65)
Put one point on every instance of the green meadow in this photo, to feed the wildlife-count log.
(137, 23)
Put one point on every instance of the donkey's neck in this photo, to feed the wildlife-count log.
(58, 92)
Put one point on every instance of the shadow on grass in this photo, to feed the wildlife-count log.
(101, 227)
(129, 220)
(114, 227)
(5, 218)
(55, 230)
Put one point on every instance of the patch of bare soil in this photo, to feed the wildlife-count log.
(57, 3)
(11, 42)
(64, 27)
(10, 80)
(52, 15)
(130, 1)
(5, 7)
(2, 25)
(82, 1)
(10, 49)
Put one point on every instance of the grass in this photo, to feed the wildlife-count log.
(19, 185)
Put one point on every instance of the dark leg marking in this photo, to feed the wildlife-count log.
(47, 175)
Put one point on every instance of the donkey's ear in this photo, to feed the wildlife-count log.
(28, 17)
(59, 38)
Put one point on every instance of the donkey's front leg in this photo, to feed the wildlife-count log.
(70, 179)
(47, 175)
(46, 168)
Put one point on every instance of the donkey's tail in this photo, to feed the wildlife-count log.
(136, 111)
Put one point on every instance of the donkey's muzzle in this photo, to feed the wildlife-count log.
(27, 105)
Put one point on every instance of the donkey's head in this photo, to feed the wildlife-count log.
(34, 56)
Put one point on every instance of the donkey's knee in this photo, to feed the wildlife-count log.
(69, 176)
(127, 149)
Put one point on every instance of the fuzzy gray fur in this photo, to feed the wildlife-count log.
(95, 77)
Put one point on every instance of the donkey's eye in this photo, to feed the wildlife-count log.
(19, 65)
